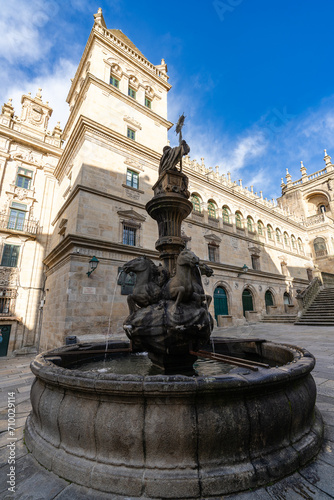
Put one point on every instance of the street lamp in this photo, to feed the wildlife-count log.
(93, 263)
(244, 269)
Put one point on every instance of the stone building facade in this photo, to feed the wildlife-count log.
(29, 154)
(90, 195)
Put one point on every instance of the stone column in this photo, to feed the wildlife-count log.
(169, 207)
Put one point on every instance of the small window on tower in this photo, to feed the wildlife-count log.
(132, 93)
(131, 134)
(132, 179)
(114, 82)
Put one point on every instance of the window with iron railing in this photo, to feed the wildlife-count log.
(17, 215)
(7, 301)
(129, 235)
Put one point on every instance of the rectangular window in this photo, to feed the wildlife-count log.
(114, 82)
(129, 236)
(213, 253)
(148, 103)
(10, 255)
(23, 178)
(131, 134)
(132, 93)
(132, 179)
(255, 262)
(17, 215)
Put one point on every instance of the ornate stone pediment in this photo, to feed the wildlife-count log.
(132, 122)
(131, 215)
(254, 250)
(213, 239)
(134, 164)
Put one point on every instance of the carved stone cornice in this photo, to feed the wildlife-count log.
(8, 276)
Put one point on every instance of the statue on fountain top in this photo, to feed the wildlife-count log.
(172, 156)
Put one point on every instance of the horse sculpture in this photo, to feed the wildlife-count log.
(146, 290)
(181, 287)
(200, 270)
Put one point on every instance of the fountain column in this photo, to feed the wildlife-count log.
(169, 207)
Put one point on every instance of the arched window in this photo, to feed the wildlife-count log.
(286, 298)
(238, 220)
(260, 227)
(269, 298)
(212, 210)
(300, 245)
(278, 235)
(322, 209)
(195, 200)
(226, 215)
(293, 242)
(250, 224)
(320, 247)
(270, 232)
(286, 239)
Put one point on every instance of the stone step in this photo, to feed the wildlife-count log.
(315, 323)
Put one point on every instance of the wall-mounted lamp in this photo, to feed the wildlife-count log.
(244, 269)
(93, 263)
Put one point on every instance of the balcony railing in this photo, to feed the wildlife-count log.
(7, 302)
(26, 226)
(316, 219)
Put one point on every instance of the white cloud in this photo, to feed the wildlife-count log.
(24, 41)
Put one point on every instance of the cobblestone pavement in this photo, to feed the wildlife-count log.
(314, 481)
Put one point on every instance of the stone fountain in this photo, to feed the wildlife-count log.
(173, 434)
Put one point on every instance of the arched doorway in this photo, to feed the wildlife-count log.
(269, 299)
(220, 302)
(247, 301)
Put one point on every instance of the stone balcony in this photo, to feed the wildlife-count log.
(29, 226)
(317, 219)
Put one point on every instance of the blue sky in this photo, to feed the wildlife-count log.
(254, 77)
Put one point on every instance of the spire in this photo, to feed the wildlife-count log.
(57, 131)
(7, 109)
(99, 19)
(39, 94)
(303, 171)
(288, 178)
(327, 160)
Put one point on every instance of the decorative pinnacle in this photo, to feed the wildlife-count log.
(39, 93)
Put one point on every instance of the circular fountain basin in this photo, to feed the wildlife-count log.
(174, 436)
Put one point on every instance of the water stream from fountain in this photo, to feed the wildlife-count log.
(207, 309)
(110, 315)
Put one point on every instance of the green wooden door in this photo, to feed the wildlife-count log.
(247, 301)
(269, 298)
(5, 331)
(220, 302)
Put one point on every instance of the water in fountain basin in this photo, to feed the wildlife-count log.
(140, 364)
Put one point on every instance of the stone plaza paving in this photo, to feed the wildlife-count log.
(314, 481)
